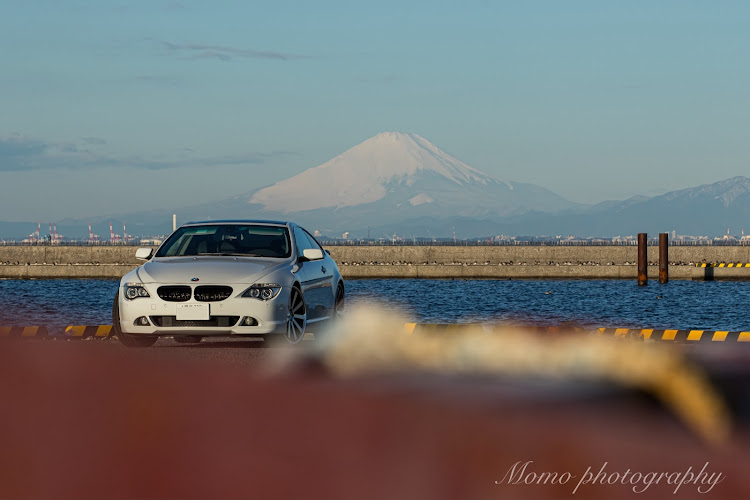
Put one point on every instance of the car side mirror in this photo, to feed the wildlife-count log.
(144, 253)
(312, 254)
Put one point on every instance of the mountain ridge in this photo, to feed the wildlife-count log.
(400, 182)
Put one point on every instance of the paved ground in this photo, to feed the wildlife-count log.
(249, 352)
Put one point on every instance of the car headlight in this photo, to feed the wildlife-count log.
(263, 291)
(135, 291)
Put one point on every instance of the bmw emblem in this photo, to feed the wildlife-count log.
(194, 279)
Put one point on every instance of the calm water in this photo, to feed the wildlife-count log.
(609, 303)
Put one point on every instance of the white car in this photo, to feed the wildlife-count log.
(229, 277)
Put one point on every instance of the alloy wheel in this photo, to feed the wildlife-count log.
(297, 322)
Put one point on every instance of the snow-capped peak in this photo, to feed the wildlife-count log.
(361, 174)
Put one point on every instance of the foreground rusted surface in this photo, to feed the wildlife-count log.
(88, 420)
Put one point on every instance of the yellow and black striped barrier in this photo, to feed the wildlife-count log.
(686, 336)
(24, 331)
(78, 332)
(682, 336)
(84, 331)
(722, 264)
(72, 332)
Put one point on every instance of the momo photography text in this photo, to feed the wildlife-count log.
(701, 479)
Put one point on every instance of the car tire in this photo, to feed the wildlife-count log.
(340, 303)
(296, 325)
(187, 339)
(126, 338)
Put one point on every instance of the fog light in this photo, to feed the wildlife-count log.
(142, 321)
(248, 321)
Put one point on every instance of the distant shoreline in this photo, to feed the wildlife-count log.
(415, 262)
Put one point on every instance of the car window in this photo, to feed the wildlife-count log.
(228, 239)
(302, 241)
(311, 240)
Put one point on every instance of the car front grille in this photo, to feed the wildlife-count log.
(209, 293)
(174, 293)
(213, 321)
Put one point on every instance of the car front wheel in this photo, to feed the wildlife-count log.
(297, 321)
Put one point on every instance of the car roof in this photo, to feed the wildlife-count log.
(238, 221)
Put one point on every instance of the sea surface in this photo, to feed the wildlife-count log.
(717, 305)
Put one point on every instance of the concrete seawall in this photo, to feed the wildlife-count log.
(461, 262)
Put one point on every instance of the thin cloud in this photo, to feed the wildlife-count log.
(224, 53)
(18, 153)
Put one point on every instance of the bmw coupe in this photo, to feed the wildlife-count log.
(226, 278)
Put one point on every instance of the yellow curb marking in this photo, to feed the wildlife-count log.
(103, 330)
(75, 330)
(719, 336)
(669, 334)
(29, 331)
(695, 335)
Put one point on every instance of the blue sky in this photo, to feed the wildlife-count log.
(108, 107)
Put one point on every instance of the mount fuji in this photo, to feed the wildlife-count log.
(391, 178)
(403, 171)
(393, 182)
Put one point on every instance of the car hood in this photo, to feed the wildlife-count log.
(207, 269)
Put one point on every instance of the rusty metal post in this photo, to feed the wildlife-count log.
(663, 258)
(642, 259)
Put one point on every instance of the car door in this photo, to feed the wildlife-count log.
(315, 278)
(326, 292)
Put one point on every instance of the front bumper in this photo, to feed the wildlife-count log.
(226, 316)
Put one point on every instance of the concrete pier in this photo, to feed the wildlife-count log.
(438, 262)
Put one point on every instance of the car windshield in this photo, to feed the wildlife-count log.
(246, 240)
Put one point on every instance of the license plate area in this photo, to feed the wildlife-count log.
(192, 312)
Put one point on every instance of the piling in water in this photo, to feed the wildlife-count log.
(663, 258)
(642, 259)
